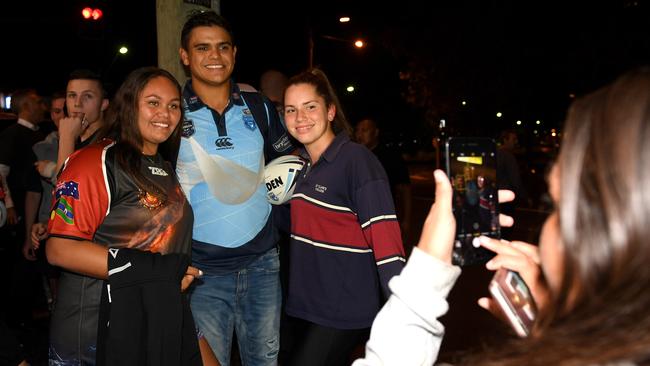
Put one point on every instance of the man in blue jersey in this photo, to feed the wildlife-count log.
(228, 134)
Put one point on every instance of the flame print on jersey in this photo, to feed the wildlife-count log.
(156, 234)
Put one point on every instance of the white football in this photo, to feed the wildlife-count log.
(280, 176)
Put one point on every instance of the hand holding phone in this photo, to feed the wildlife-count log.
(471, 168)
(515, 300)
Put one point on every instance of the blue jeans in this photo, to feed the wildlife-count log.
(247, 301)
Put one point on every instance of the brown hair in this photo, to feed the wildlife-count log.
(601, 313)
(318, 80)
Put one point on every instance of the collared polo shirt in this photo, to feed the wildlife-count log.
(227, 236)
(345, 238)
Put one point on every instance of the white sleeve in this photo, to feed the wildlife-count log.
(4, 173)
(407, 331)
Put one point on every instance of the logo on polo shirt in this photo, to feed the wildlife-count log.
(248, 119)
(187, 128)
(282, 143)
(158, 171)
(224, 143)
(320, 188)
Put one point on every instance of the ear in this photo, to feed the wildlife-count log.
(104, 104)
(331, 112)
(184, 56)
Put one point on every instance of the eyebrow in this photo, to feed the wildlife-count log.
(81, 92)
(159, 97)
(204, 44)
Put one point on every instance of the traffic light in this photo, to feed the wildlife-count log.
(92, 25)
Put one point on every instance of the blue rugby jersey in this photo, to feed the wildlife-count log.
(227, 236)
(345, 239)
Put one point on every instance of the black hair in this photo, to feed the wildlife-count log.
(203, 19)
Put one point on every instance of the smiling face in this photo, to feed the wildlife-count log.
(210, 56)
(159, 111)
(308, 118)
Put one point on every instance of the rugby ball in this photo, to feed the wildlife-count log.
(280, 176)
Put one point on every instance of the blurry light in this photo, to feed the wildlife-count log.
(123, 50)
(87, 13)
(535, 132)
(518, 122)
(359, 43)
(344, 19)
(8, 102)
(553, 134)
(538, 122)
(97, 13)
(533, 171)
(499, 114)
(572, 95)
(463, 102)
(443, 123)
(350, 89)
(90, 13)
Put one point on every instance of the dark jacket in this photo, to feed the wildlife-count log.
(144, 317)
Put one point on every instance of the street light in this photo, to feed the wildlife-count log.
(358, 43)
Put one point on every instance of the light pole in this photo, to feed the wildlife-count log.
(357, 43)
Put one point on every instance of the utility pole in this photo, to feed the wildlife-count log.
(170, 17)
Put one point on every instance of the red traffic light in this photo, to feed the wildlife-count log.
(90, 13)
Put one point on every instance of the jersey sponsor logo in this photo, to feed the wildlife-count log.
(224, 143)
(187, 128)
(158, 171)
(192, 101)
(282, 143)
(248, 119)
(63, 209)
(320, 188)
(113, 252)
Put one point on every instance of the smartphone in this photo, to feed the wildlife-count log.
(472, 170)
(514, 298)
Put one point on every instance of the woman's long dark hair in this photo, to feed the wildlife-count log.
(601, 313)
(122, 127)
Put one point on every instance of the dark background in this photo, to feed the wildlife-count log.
(522, 58)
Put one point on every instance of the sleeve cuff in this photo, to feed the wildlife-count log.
(427, 275)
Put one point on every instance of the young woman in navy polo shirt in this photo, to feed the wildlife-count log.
(345, 237)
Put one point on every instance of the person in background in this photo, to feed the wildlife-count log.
(368, 134)
(46, 153)
(121, 196)
(235, 240)
(345, 239)
(86, 102)
(22, 194)
(509, 176)
(272, 85)
(588, 276)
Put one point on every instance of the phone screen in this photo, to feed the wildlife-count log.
(513, 297)
(471, 167)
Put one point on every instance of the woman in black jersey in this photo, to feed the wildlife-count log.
(114, 196)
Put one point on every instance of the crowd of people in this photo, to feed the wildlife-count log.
(147, 216)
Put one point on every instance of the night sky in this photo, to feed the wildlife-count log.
(523, 58)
